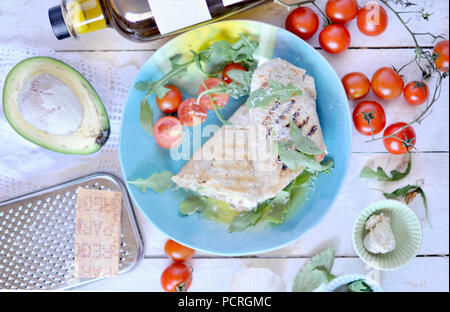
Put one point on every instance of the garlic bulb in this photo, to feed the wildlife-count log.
(380, 239)
(257, 280)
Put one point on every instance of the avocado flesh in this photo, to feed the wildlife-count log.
(94, 129)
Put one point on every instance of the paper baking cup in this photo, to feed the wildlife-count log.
(407, 232)
(340, 281)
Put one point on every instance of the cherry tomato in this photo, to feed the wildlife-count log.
(219, 99)
(191, 113)
(169, 103)
(341, 11)
(416, 92)
(334, 38)
(302, 22)
(387, 84)
(372, 19)
(356, 84)
(178, 252)
(369, 116)
(442, 53)
(177, 277)
(394, 145)
(230, 67)
(168, 132)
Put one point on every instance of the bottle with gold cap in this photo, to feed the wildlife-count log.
(141, 20)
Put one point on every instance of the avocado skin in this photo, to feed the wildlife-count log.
(42, 62)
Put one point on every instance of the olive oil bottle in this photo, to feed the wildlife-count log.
(141, 20)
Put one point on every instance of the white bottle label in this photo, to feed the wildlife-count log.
(172, 15)
(230, 2)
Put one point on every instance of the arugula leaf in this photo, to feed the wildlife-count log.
(315, 272)
(359, 286)
(277, 91)
(146, 116)
(244, 220)
(193, 204)
(408, 193)
(295, 160)
(158, 182)
(280, 206)
(302, 142)
(381, 175)
(241, 76)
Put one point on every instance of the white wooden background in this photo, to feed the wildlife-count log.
(26, 21)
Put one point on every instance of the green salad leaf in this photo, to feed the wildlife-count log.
(315, 272)
(210, 208)
(280, 206)
(408, 193)
(146, 116)
(277, 91)
(359, 286)
(250, 218)
(158, 182)
(380, 174)
(193, 204)
(275, 210)
(302, 143)
(295, 160)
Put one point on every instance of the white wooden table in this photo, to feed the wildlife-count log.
(26, 21)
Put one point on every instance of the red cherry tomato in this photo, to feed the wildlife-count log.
(302, 22)
(416, 92)
(177, 277)
(372, 19)
(230, 67)
(219, 99)
(341, 11)
(356, 84)
(369, 116)
(334, 38)
(178, 252)
(170, 102)
(168, 132)
(190, 113)
(442, 52)
(394, 145)
(387, 84)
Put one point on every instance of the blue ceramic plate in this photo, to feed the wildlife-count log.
(140, 156)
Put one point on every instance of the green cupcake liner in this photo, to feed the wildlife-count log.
(407, 232)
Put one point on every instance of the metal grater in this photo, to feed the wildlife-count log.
(37, 236)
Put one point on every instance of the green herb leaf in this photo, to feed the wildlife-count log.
(359, 286)
(146, 116)
(408, 193)
(277, 91)
(380, 174)
(143, 86)
(250, 218)
(315, 272)
(302, 142)
(240, 76)
(193, 204)
(280, 206)
(158, 182)
(295, 160)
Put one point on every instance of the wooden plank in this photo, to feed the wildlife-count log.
(431, 170)
(26, 21)
(214, 275)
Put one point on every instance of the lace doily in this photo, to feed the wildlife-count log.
(25, 167)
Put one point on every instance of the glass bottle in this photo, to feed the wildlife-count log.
(135, 19)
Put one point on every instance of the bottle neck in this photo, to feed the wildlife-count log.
(83, 16)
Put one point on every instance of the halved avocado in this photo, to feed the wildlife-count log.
(94, 128)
